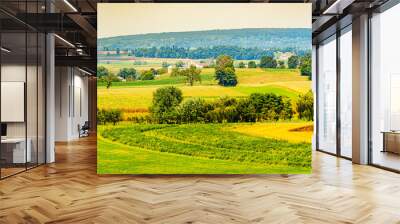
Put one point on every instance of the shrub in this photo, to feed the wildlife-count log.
(176, 72)
(242, 65)
(287, 111)
(101, 117)
(167, 108)
(154, 71)
(225, 101)
(162, 70)
(104, 116)
(293, 61)
(230, 114)
(215, 116)
(246, 110)
(252, 64)
(102, 71)
(270, 106)
(268, 62)
(225, 110)
(127, 73)
(194, 110)
(165, 102)
(305, 65)
(305, 106)
(114, 116)
(147, 75)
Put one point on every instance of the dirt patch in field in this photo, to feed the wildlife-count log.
(308, 128)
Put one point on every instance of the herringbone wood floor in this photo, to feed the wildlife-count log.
(69, 191)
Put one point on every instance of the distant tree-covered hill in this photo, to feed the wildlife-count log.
(239, 43)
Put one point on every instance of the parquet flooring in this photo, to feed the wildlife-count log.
(70, 191)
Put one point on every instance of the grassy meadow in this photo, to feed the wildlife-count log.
(201, 148)
(222, 148)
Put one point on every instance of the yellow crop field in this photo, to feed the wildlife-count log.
(254, 76)
(131, 98)
(295, 132)
(124, 98)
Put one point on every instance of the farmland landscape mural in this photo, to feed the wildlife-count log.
(204, 89)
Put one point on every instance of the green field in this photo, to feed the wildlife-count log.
(196, 148)
(234, 148)
(137, 95)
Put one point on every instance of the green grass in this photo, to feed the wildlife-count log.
(135, 95)
(195, 148)
(242, 148)
(141, 97)
(143, 83)
(278, 90)
(115, 158)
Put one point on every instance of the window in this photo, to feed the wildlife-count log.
(346, 92)
(22, 98)
(385, 89)
(327, 95)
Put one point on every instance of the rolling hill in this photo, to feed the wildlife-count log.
(293, 39)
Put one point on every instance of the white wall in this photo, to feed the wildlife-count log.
(71, 102)
(11, 73)
(62, 82)
(33, 126)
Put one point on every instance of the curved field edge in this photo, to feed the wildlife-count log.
(122, 153)
(117, 158)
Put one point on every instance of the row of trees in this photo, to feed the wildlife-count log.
(167, 107)
(236, 52)
(128, 74)
(294, 62)
(225, 69)
(224, 72)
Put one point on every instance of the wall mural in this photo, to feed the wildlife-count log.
(204, 88)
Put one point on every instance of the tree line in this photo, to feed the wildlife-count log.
(236, 52)
(168, 107)
(294, 61)
(127, 74)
